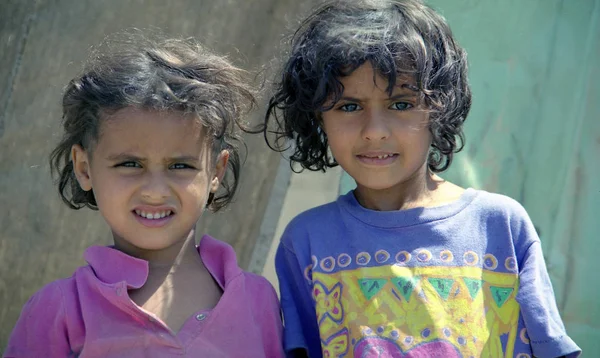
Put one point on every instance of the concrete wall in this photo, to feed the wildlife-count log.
(42, 45)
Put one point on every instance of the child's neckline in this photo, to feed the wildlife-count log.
(408, 217)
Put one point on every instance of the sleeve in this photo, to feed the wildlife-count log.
(41, 330)
(270, 318)
(300, 322)
(546, 331)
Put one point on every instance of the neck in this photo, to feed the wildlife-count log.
(183, 253)
(416, 191)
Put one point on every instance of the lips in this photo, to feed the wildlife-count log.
(381, 156)
(153, 216)
(377, 158)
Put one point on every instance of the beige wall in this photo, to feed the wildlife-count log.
(42, 45)
(306, 190)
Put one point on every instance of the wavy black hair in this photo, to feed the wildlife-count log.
(397, 37)
(150, 71)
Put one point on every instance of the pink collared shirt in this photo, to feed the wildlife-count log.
(90, 313)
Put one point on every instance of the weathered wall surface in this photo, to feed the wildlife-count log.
(42, 45)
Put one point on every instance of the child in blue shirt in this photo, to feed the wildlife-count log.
(408, 264)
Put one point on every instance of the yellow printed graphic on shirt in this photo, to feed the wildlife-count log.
(417, 311)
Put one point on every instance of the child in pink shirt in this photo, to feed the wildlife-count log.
(150, 131)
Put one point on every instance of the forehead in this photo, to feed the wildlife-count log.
(134, 129)
(366, 77)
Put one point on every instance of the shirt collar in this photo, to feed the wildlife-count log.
(112, 266)
(220, 260)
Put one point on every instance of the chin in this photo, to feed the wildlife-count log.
(377, 186)
(378, 183)
(154, 246)
(148, 242)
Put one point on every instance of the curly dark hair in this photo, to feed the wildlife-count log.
(157, 73)
(396, 37)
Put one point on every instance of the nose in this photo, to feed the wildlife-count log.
(155, 187)
(375, 125)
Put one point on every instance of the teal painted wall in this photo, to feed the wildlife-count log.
(534, 132)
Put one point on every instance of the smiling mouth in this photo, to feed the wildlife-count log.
(383, 156)
(377, 159)
(155, 215)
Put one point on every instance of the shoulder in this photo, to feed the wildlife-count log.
(48, 306)
(314, 215)
(314, 219)
(498, 205)
(259, 284)
(261, 293)
(499, 212)
(266, 311)
(57, 300)
(50, 295)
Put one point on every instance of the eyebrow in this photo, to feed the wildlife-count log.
(394, 97)
(122, 157)
(414, 91)
(410, 87)
(184, 158)
(126, 156)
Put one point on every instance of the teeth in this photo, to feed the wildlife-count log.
(151, 216)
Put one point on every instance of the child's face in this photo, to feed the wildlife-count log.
(150, 164)
(381, 141)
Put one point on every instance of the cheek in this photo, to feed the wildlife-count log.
(418, 135)
(423, 139)
(115, 183)
(111, 195)
(339, 136)
(340, 148)
(110, 189)
(196, 188)
(420, 148)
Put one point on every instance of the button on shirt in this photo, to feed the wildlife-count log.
(91, 315)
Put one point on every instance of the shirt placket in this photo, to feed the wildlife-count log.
(164, 335)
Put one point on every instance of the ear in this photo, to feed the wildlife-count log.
(220, 169)
(81, 166)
